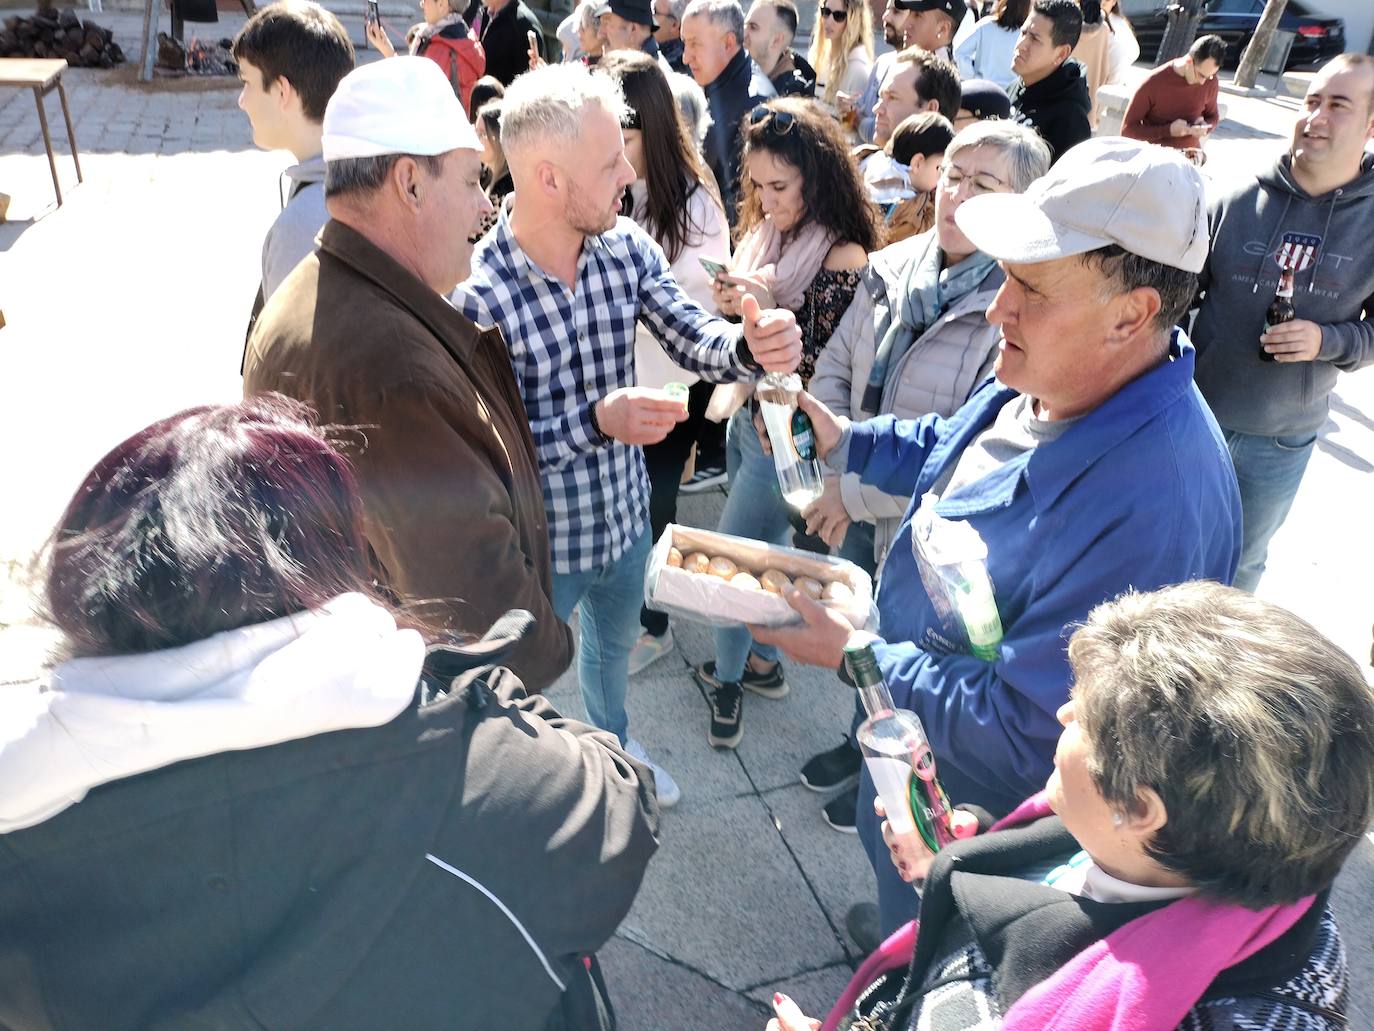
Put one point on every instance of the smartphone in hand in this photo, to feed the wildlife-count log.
(373, 13)
(713, 268)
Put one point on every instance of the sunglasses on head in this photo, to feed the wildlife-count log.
(838, 16)
(781, 122)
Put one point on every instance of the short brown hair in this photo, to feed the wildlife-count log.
(936, 79)
(302, 42)
(1255, 730)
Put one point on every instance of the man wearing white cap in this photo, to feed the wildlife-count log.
(1088, 466)
(363, 333)
(568, 279)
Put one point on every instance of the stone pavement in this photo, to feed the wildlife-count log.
(130, 301)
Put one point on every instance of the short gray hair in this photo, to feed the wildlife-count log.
(547, 103)
(679, 9)
(691, 102)
(586, 14)
(1123, 272)
(723, 14)
(1255, 730)
(1028, 156)
(366, 175)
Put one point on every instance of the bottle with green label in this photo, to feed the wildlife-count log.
(791, 437)
(897, 755)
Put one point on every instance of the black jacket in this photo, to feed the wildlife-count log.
(672, 51)
(987, 937)
(504, 38)
(799, 82)
(729, 101)
(331, 882)
(1058, 107)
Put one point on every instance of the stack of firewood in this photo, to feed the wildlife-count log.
(52, 33)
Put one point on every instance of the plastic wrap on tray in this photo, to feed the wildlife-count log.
(715, 600)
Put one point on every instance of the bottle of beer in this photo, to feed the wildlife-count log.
(897, 755)
(1280, 310)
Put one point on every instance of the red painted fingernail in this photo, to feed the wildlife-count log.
(778, 997)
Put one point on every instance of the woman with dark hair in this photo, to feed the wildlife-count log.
(807, 227)
(486, 89)
(674, 200)
(246, 802)
(985, 53)
(495, 172)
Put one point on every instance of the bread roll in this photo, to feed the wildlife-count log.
(675, 558)
(811, 588)
(746, 580)
(837, 590)
(696, 562)
(722, 567)
(774, 582)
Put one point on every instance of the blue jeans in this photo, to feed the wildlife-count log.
(1268, 470)
(754, 509)
(609, 598)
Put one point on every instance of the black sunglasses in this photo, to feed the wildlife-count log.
(839, 15)
(782, 121)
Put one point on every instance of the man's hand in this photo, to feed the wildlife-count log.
(638, 415)
(1296, 341)
(826, 427)
(789, 1016)
(773, 336)
(826, 517)
(908, 851)
(1180, 127)
(820, 639)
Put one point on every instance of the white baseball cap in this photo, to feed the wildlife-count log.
(1144, 198)
(398, 105)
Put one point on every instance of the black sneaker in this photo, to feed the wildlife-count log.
(706, 477)
(835, 769)
(862, 924)
(766, 685)
(727, 714)
(839, 812)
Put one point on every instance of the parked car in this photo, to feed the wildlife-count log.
(1316, 39)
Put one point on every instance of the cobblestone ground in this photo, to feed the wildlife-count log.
(130, 302)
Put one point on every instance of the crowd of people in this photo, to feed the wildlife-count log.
(294, 767)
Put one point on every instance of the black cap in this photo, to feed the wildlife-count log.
(641, 11)
(956, 9)
(984, 99)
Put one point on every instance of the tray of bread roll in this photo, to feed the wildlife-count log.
(725, 580)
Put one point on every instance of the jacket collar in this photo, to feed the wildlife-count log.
(344, 243)
(1049, 470)
(514, 258)
(735, 72)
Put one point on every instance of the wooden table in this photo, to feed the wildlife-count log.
(43, 75)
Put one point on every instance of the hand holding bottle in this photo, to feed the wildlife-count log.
(908, 851)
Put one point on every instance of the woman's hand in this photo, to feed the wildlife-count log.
(377, 37)
(727, 297)
(748, 284)
(826, 517)
(908, 851)
(789, 1016)
(535, 60)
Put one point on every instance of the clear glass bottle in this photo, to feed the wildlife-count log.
(898, 756)
(790, 434)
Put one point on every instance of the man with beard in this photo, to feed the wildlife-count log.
(567, 281)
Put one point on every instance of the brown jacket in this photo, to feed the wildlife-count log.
(451, 491)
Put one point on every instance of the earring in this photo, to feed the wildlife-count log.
(1118, 819)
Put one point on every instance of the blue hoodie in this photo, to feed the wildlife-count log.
(1137, 493)
(1248, 226)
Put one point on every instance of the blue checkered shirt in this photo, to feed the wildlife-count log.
(569, 350)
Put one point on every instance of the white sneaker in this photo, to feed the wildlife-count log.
(669, 794)
(649, 649)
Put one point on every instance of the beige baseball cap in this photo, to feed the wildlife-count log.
(1147, 199)
(398, 105)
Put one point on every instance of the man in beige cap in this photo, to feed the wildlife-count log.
(361, 331)
(1088, 466)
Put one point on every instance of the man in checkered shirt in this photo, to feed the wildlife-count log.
(567, 281)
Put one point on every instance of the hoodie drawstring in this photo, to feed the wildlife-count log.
(1269, 246)
(1326, 229)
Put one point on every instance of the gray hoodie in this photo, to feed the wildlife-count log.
(292, 235)
(1248, 226)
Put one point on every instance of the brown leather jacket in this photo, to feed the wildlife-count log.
(453, 504)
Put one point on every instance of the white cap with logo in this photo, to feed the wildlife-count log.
(398, 105)
(1148, 200)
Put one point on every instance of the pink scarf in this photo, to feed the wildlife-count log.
(1125, 982)
(788, 273)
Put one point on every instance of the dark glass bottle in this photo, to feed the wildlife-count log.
(1280, 309)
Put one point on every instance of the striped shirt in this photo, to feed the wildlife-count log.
(569, 349)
